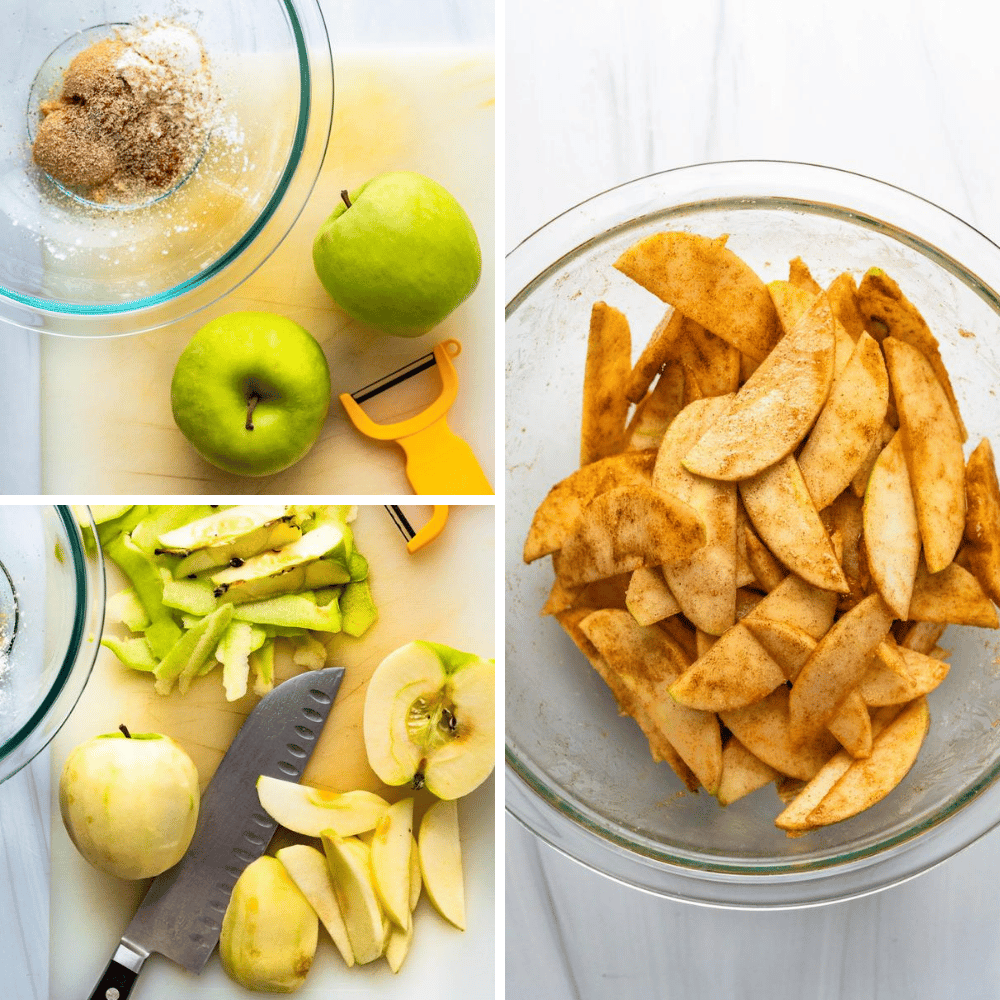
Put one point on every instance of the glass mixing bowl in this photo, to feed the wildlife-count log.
(579, 775)
(51, 616)
(72, 267)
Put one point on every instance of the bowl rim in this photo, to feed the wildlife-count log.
(565, 826)
(81, 651)
(270, 227)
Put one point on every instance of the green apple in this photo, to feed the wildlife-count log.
(250, 392)
(399, 254)
(428, 719)
(130, 802)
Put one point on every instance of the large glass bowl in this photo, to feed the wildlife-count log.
(71, 267)
(51, 616)
(579, 775)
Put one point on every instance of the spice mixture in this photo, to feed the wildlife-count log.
(133, 115)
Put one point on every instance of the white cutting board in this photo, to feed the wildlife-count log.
(444, 593)
(106, 421)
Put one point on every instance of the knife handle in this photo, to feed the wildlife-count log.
(120, 975)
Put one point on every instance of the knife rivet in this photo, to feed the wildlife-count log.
(112, 994)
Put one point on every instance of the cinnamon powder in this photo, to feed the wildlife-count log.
(132, 116)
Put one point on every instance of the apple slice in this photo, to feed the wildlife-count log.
(644, 662)
(656, 410)
(869, 780)
(350, 867)
(892, 535)
(851, 724)
(310, 811)
(763, 728)
(629, 527)
(847, 425)
(799, 604)
(767, 571)
(706, 281)
(982, 520)
(785, 518)
(932, 443)
(398, 945)
(654, 355)
(776, 406)
(391, 861)
(440, 850)
(608, 364)
(649, 598)
(789, 645)
(308, 869)
(837, 664)
(736, 671)
(909, 674)
(952, 596)
(704, 584)
(742, 773)
(428, 719)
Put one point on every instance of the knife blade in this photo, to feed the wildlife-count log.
(181, 914)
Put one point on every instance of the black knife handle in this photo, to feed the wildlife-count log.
(116, 983)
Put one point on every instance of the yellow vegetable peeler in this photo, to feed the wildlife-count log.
(417, 538)
(438, 462)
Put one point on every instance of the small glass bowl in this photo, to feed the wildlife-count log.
(51, 617)
(579, 775)
(73, 267)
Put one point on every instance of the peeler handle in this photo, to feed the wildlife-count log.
(439, 462)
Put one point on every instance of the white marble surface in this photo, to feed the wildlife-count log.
(24, 799)
(902, 90)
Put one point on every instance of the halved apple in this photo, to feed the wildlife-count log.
(350, 866)
(428, 719)
(440, 850)
(391, 861)
(310, 811)
(309, 870)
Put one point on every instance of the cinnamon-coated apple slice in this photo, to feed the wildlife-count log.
(429, 719)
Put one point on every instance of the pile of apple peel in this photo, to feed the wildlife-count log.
(772, 526)
(213, 585)
(428, 724)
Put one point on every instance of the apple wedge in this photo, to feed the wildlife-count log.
(852, 726)
(645, 662)
(649, 598)
(310, 811)
(350, 867)
(398, 945)
(799, 604)
(626, 528)
(704, 584)
(763, 728)
(557, 513)
(914, 674)
(953, 596)
(785, 518)
(776, 406)
(308, 869)
(847, 425)
(391, 861)
(742, 773)
(736, 671)
(789, 645)
(608, 365)
(440, 850)
(706, 281)
(982, 520)
(628, 696)
(654, 355)
(891, 531)
(429, 719)
(710, 360)
(837, 664)
(656, 410)
(767, 571)
(932, 443)
(869, 780)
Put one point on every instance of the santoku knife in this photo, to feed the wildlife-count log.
(181, 914)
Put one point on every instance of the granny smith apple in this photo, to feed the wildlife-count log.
(398, 253)
(250, 392)
(130, 802)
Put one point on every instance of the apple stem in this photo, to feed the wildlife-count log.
(345, 199)
(124, 729)
(252, 402)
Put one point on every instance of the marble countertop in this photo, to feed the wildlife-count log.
(24, 798)
(902, 91)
